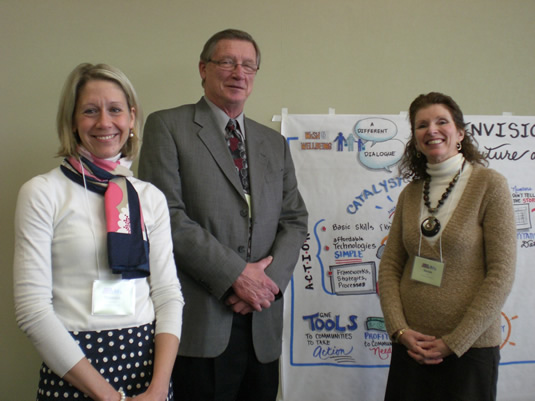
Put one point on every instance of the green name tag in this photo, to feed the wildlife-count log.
(427, 271)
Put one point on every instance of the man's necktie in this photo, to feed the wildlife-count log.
(236, 145)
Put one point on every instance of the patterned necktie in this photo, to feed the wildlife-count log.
(237, 149)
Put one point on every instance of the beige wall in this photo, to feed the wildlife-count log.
(354, 55)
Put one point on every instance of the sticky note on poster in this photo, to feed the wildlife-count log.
(353, 278)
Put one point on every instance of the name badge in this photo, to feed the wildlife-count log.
(114, 297)
(427, 271)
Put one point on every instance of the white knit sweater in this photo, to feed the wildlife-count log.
(60, 249)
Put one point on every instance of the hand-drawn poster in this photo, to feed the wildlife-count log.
(335, 344)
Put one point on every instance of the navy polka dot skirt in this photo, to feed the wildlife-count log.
(123, 357)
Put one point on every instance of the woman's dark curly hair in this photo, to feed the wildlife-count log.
(413, 164)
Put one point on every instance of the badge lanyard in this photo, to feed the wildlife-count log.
(426, 270)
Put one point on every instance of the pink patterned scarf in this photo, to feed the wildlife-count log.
(128, 245)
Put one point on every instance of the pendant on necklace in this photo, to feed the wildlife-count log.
(430, 226)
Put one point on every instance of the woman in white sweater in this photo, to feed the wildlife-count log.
(449, 263)
(95, 282)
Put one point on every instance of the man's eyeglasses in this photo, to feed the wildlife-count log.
(229, 64)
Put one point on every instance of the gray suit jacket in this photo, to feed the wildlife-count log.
(185, 154)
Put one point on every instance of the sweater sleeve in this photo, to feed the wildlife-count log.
(34, 231)
(390, 272)
(165, 288)
(499, 238)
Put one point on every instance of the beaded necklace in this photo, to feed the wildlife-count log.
(431, 225)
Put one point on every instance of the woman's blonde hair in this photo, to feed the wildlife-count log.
(83, 73)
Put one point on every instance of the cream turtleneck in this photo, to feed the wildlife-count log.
(441, 176)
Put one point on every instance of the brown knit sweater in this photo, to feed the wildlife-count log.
(479, 252)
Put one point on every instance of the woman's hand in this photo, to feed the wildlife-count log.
(424, 349)
(87, 379)
(149, 396)
(165, 350)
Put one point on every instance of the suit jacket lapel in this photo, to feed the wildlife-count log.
(256, 159)
(215, 142)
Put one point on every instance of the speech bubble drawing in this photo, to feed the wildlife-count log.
(382, 155)
(375, 129)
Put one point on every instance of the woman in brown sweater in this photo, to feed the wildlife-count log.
(449, 262)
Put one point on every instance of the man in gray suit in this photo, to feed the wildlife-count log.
(238, 223)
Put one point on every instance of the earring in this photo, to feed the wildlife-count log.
(459, 146)
(418, 154)
(131, 133)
